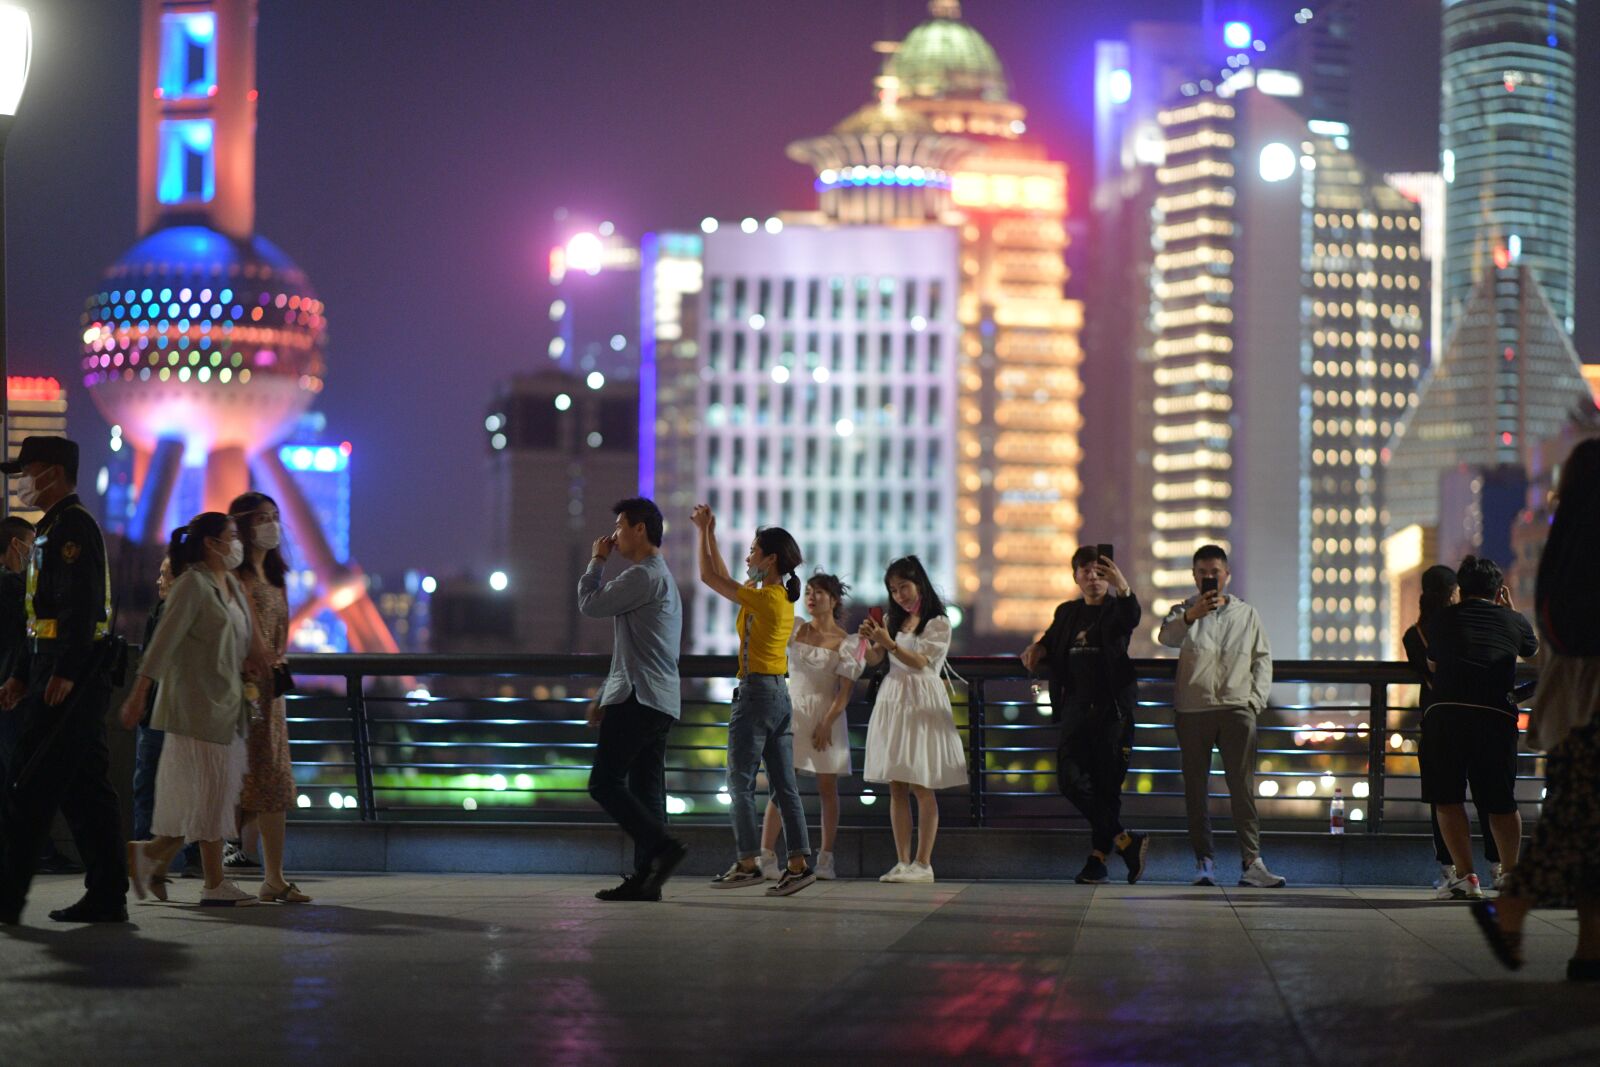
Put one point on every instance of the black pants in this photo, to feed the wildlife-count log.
(629, 779)
(1091, 762)
(61, 761)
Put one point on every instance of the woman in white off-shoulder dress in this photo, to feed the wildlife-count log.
(824, 663)
(912, 741)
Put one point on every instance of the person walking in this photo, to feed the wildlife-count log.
(761, 720)
(1469, 732)
(1084, 654)
(1439, 590)
(912, 741)
(823, 667)
(1224, 682)
(641, 699)
(61, 689)
(201, 655)
(1562, 864)
(16, 535)
(268, 789)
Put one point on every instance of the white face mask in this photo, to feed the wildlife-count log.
(28, 489)
(269, 535)
(234, 556)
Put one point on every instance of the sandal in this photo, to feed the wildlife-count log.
(286, 894)
(1506, 946)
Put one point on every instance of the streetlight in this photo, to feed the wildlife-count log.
(16, 47)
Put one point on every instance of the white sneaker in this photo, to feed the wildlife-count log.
(1257, 875)
(771, 870)
(1499, 871)
(1205, 873)
(894, 873)
(918, 872)
(824, 867)
(226, 895)
(1447, 874)
(1463, 888)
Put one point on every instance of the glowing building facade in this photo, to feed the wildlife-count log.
(37, 408)
(1290, 319)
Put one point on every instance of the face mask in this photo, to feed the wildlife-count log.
(235, 555)
(754, 573)
(28, 490)
(269, 535)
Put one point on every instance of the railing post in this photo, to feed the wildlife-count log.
(361, 739)
(975, 746)
(1377, 739)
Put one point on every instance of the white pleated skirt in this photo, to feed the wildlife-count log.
(197, 789)
(912, 734)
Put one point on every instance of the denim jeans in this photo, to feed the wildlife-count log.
(760, 728)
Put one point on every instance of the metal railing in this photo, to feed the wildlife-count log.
(504, 738)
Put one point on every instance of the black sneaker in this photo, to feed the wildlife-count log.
(662, 865)
(235, 858)
(736, 877)
(86, 911)
(634, 887)
(1094, 872)
(792, 881)
(1135, 854)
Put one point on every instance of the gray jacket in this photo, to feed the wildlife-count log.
(647, 625)
(1224, 659)
(196, 657)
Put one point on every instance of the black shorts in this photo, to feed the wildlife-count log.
(1462, 745)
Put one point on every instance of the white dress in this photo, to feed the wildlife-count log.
(814, 674)
(912, 735)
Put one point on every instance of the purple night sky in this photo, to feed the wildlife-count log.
(412, 155)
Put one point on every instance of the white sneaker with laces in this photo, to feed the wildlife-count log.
(921, 873)
(771, 870)
(894, 873)
(1464, 888)
(824, 867)
(1447, 874)
(226, 895)
(1257, 875)
(1205, 873)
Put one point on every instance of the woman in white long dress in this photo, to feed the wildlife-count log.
(912, 742)
(824, 663)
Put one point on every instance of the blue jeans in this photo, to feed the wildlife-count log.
(760, 728)
(146, 758)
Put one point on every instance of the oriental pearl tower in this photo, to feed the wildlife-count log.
(204, 343)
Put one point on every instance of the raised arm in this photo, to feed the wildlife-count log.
(631, 589)
(713, 570)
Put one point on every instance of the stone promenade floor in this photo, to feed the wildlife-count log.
(475, 970)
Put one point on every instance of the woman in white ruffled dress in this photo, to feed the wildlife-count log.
(912, 742)
(824, 663)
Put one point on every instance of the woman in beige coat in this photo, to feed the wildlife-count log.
(199, 656)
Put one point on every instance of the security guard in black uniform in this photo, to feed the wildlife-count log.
(62, 690)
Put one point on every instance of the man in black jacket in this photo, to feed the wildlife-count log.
(1084, 654)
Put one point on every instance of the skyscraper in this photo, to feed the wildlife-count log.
(1508, 149)
(1290, 311)
(38, 408)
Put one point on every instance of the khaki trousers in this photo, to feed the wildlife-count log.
(1233, 732)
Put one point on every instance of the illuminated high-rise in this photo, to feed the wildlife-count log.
(37, 408)
(1508, 145)
(1290, 318)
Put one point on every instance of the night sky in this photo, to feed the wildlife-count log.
(412, 155)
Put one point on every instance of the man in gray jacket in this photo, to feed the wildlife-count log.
(1224, 678)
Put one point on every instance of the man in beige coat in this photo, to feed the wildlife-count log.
(1224, 679)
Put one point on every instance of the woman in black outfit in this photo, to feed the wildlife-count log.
(1439, 590)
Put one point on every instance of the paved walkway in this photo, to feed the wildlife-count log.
(477, 970)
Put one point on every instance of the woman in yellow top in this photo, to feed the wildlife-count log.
(760, 723)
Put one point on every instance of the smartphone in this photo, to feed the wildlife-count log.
(1208, 585)
(876, 615)
(1104, 552)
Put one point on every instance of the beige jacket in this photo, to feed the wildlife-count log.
(1224, 659)
(196, 657)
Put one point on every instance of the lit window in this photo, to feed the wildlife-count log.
(188, 56)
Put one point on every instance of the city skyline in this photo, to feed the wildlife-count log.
(492, 288)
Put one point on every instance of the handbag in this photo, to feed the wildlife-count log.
(282, 681)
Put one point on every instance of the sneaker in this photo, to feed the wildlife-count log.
(921, 873)
(893, 874)
(1257, 875)
(768, 863)
(824, 866)
(792, 882)
(288, 893)
(235, 858)
(141, 870)
(633, 887)
(1498, 881)
(1447, 874)
(1205, 873)
(1134, 856)
(1463, 888)
(666, 861)
(737, 877)
(226, 895)
(1094, 872)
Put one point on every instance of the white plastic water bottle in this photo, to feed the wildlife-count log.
(1336, 813)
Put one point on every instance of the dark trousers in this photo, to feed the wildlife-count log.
(629, 779)
(61, 761)
(1091, 762)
